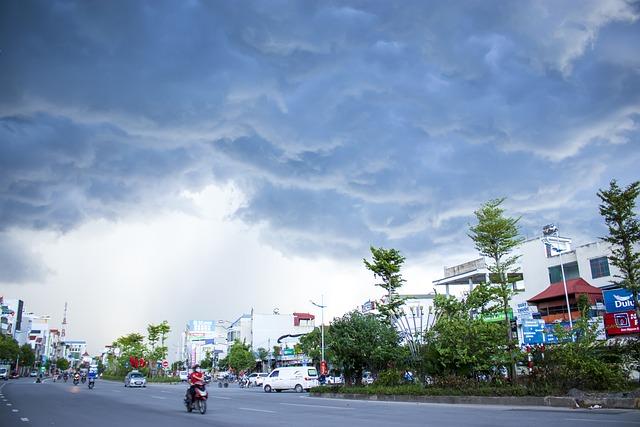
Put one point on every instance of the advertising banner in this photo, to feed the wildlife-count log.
(621, 323)
(618, 300)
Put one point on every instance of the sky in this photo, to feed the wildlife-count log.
(196, 160)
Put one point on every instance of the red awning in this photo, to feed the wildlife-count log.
(574, 286)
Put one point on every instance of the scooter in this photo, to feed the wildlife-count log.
(92, 383)
(76, 379)
(84, 379)
(65, 377)
(199, 401)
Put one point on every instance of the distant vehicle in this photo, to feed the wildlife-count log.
(33, 373)
(298, 378)
(367, 378)
(335, 379)
(258, 380)
(4, 373)
(184, 375)
(135, 379)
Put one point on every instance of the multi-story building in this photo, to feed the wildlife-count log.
(202, 337)
(10, 316)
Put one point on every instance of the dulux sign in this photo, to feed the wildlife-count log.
(616, 300)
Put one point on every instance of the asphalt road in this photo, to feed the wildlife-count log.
(22, 403)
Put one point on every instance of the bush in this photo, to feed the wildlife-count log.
(390, 378)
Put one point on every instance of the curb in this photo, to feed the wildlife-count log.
(550, 401)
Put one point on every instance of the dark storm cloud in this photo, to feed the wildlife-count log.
(345, 123)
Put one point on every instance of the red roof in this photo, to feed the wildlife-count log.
(574, 286)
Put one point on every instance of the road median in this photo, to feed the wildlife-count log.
(549, 401)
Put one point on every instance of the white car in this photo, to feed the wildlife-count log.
(184, 375)
(298, 378)
(135, 379)
(335, 380)
(257, 378)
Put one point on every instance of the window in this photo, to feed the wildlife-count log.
(599, 267)
(274, 374)
(570, 272)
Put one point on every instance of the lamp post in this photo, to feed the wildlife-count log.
(322, 307)
(550, 230)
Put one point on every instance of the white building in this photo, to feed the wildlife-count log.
(11, 316)
(540, 264)
(204, 336)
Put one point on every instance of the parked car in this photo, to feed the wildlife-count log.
(367, 378)
(257, 378)
(33, 373)
(184, 375)
(4, 373)
(335, 379)
(298, 378)
(135, 379)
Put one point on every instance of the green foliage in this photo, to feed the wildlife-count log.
(459, 387)
(618, 210)
(9, 349)
(390, 378)
(207, 362)
(262, 353)
(460, 342)
(496, 236)
(129, 345)
(311, 344)
(386, 266)
(362, 342)
(62, 364)
(239, 358)
(585, 363)
(27, 357)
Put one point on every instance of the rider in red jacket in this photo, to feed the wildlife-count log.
(196, 379)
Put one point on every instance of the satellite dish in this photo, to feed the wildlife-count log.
(276, 310)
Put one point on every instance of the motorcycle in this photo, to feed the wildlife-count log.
(92, 383)
(76, 379)
(199, 401)
(83, 379)
(243, 382)
(65, 377)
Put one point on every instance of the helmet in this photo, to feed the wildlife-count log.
(196, 366)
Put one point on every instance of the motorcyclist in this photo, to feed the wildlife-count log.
(92, 375)
(196, 379)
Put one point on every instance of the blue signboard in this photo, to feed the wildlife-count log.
(533, 331)
(550, 336)
(617, 300)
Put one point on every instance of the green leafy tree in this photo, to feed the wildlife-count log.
(496, 236)
(359, 342)
(262, 354)
(156, 335)
(311, 345)
(129, 345)
(461, 343)
(9, 349)
(618, 210)
(386, 265)
(27, 357)
(207, 362)
(240, 358)
(62, 364)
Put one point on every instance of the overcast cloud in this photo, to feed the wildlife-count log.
(337, 125)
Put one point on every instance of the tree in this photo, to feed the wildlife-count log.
(9, 349)
(131, 345)
(239, 357)
(207, 362)
(157, 333)
(618, 209)
(461, 343)
(311, 345)
(27, 357)
(496, 236)
(62, 364)
(262, 354)
(386, 266)
(361, 341)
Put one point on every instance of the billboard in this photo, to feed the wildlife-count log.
(618, 300)
(201, 325)
(621, 323)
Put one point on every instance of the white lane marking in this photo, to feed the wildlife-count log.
(14, 410)
(116, 391)
(602, 421)
(26, 420)
(158, 397)
(220, 397)
(164, 391)
(257, 410)
(9, 404)
(317, 406)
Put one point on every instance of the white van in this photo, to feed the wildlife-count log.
(296, 378)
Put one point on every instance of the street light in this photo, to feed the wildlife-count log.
(550, 230)
(322, 307)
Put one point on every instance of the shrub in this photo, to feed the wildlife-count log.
(390, 378)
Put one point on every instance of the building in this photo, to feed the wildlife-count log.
(462, 278)
(11, 316)
(202, 337)
(552, 302)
